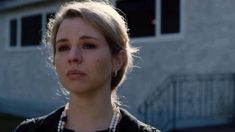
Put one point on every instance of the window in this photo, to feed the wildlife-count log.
(140, 15)
(27, 30)
(150, 18)
(31, 28)
(13, 31)
(170, 16)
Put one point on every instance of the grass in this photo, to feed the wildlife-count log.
(9, 122)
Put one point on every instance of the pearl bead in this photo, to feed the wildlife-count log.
(112, 127)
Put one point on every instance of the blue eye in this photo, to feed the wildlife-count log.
(88, 46)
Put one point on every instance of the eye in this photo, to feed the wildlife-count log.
(63, 48)
(88, 46)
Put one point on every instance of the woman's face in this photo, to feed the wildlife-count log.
(83, 58)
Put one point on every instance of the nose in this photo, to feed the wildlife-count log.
(74, 55)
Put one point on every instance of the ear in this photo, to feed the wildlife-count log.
(119, 60)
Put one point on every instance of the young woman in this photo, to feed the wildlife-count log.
(91, 55)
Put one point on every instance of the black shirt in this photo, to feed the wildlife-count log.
(48, 123)
(68, 130)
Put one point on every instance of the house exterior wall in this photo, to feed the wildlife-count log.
(26, 79)
(206, 45)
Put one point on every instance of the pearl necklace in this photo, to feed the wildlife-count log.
(112, 127)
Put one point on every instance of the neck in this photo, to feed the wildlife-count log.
(89, 114)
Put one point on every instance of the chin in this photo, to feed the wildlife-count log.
(81, 90)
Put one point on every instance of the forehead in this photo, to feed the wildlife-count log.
(77, 27)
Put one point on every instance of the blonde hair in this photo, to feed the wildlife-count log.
(107, 21)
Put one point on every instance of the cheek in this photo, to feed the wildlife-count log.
(58, 63)
(55, 62)
(103, 66)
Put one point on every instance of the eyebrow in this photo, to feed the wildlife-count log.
(81, 38)
(88, 37)
(61, 40)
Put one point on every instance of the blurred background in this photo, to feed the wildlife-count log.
(184, 80)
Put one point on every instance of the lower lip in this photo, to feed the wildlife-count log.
(74, 76)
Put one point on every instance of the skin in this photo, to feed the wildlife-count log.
(84, 64)
(80, 47)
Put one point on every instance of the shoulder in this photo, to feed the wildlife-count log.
(131, 123)
(29, 125)
(147, 128)
(44, 123)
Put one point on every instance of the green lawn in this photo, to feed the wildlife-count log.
(9, 122)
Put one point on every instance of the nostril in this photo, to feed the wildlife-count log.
(75, 58)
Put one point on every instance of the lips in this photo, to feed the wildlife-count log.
(75, 74)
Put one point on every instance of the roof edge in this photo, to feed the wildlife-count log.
(11, 4)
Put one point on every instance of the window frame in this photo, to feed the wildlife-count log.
(158, 35)
(18, 17)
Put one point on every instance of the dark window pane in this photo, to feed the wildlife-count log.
(31, 30)
(140, 15)
(170, 16)
(13, 33)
